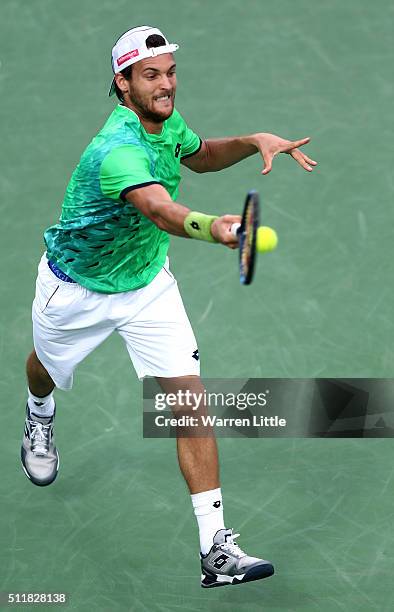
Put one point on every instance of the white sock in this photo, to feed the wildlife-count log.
(41, 406)
(208, 508)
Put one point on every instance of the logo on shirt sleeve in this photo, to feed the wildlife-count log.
(177, 149)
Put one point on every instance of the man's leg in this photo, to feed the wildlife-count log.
(69, 322)
(222, 561)
(40, 459)
(197, 456)
(40, 383)
(199, 463)
(161, 343)
(40, 387)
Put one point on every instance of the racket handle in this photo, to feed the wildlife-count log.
(234, 228)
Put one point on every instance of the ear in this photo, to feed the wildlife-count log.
(121, 82)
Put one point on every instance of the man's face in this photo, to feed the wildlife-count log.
(152, 87)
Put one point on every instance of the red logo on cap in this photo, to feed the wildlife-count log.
(127, 56)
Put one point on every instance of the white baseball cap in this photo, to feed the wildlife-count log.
(131, 48)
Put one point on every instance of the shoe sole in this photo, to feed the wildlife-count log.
(209, 581)
(40, 483)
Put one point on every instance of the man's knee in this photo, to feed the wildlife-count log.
(35, 367)
(189, 382)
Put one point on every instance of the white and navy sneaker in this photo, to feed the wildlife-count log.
(40, 459)
(226, 563)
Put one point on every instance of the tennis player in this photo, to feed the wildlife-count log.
(106, 269)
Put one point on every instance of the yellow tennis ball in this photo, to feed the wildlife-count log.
(266, 239)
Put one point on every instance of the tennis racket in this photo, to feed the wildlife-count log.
(246, 233)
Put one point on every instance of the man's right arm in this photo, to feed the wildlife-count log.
(125, 174)
(154, 202)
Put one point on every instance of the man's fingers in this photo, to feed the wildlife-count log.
(267, 164)
(232, 218)
(291, 148)
(300, 158)
(298, 143)
(309, 160)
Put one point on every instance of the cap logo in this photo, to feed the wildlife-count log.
(124, 58)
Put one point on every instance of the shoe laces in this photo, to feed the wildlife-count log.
(232, 547)
(39, 437)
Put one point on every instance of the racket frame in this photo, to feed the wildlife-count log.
(247, 237)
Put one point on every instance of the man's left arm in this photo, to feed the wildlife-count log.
(217, 154)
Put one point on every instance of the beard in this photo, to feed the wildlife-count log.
(145, 111)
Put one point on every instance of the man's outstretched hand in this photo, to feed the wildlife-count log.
(270, 145)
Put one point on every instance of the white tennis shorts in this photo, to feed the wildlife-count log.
(69, 322)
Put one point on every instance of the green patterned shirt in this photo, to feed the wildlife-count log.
(102, 241)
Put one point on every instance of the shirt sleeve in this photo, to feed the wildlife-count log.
(125, 168)
(191, 143)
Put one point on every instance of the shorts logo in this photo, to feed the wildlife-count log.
(195, 355)
(177, 149)
(121, 60)
(216, 504)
